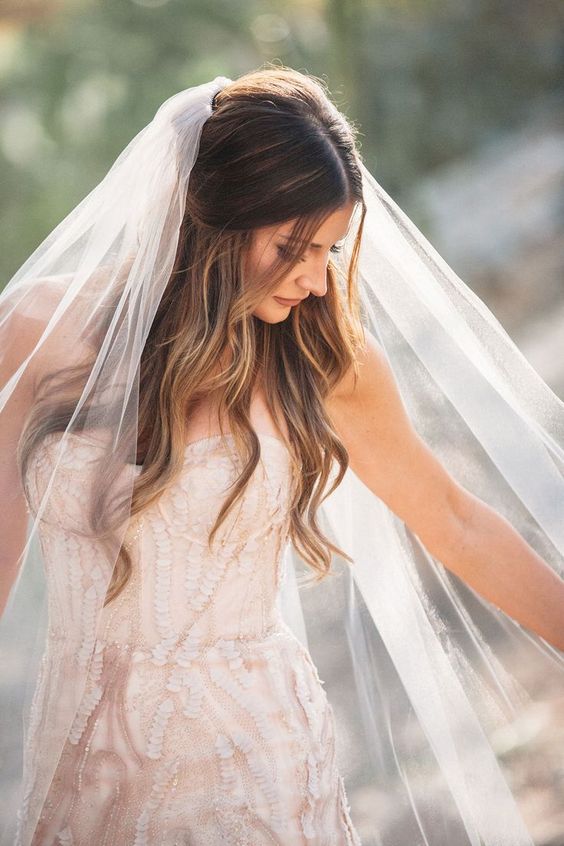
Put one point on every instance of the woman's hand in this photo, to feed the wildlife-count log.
(464, 533)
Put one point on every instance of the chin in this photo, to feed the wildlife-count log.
(272, 315)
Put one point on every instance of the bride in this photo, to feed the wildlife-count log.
(222, 374)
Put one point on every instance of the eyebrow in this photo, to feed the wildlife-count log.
(317, 246)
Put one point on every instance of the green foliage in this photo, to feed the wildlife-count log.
(426, 81)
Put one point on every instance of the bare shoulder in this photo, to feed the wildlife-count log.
(370, 381)
(387, 453)
(368, 411)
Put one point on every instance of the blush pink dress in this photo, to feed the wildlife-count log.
(203, 721)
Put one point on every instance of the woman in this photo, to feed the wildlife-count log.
(184, 368)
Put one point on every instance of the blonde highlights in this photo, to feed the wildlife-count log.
(274, 149)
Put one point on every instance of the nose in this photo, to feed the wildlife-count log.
(314, 281)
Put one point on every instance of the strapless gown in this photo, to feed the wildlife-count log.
(204, 720)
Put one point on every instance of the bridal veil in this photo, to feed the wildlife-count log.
(428, 681)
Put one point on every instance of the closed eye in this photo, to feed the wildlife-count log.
(285, 253)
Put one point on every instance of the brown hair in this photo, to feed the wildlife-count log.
(274, 149)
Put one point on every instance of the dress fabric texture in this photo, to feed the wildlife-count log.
(203, 720)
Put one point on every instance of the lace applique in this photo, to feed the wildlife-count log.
(203, 720)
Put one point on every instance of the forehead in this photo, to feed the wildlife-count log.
(333, 229)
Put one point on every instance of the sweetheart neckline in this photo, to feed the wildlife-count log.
(207, 439)
(230, 435)
(218, 435)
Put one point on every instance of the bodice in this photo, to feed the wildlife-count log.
(186, 699)
(182, 587)
(181, 592)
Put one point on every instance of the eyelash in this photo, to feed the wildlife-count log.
(286, 253)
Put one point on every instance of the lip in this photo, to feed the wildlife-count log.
(285, 302)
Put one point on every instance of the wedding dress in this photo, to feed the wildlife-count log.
(204, 720)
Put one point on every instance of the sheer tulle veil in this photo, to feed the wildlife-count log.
(427, 679)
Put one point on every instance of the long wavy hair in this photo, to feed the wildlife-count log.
(275, 149)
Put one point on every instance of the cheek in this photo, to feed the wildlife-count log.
(260, 259)
(256, 268)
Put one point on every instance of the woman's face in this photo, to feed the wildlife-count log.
(309, 276)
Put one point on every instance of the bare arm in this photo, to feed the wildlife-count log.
(20, 336)
(13, 514)
(464, 533)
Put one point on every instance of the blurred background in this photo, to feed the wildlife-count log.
(460, 106)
